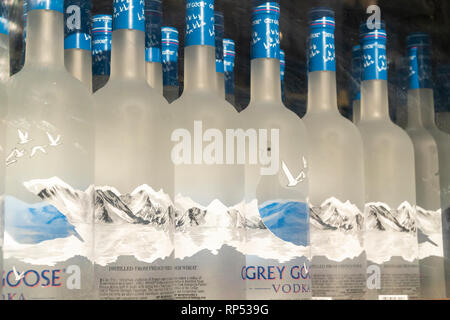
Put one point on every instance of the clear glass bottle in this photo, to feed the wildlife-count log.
(101, 50)
(429, 220)
(229, 55)
(4, 77)
(77, 42)
(390, 217)
(277, 232)
(170, 47)
(219, 29)
(49, 169)
(206, 185)
(336, 174)
(153, 66)
(356, 83)
(133, 171)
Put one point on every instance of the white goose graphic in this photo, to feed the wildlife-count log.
(17, 275)
(36, 149)
(292, 182)
(54, 141)
(23, 137)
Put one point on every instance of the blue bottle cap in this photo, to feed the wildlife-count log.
(101, 44)
(101, 25)
(374, 53)
(321, 50)
(55, 5)
(266, 31)
(129, 14)
(419, 53)
(356, 73)
(170, 56)
(200, 23)
(219, 29)
(229, 54)
(4, 18)
(282, 63)
(77, 26)
(153, 21)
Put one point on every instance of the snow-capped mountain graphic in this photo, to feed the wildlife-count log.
(333, 214)
(379, 216)
(142, 206)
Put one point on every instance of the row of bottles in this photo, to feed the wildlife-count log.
(119, 195)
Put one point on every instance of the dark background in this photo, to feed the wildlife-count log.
(401, 17)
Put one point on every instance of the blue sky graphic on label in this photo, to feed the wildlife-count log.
(200, 23)
(77, 24)
(56, 5)
(129, 14)
(266, 31)
(153, 21)
(321, 50)
(288, 220)
(374, 55)
(34, 223)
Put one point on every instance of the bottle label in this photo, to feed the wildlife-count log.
(420, 67)
(356, 73)
(101, 25)
(55, 5)
(129, 14)
(77, 28)
(338, 267)
(266, 31)
(170, 56)
(48, 244)
(277, 250)
(200, 23)
(322, 56)
(374, 55)
(391, 243)
(153, 20)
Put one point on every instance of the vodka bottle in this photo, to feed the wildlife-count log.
(220, 69)
(390, 216)
(282, 69)
(101, 50)
(49, 169)
(4, 77)
(206, 184)
(77, 42)
(356, 82)
(425, 97)
(229, 54)
(429, 222)
(170, 63)
(336, 174)
(277, 229)
(153, 66)
(133, 172)
(443, 97)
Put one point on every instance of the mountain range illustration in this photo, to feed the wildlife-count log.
(379, 216)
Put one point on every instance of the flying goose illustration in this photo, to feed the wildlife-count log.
(36, 149)
(292, 182)
(17, 275)
(54, 141)
(23, 137)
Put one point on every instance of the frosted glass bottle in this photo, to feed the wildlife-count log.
(429, 220)
(49, 169)
(101, 50)
(336, 174)
(229, 54)
(153, 65)
(170, 63)
(276, 190)
(356, 83)
(77, 42)
(205, 187)
(133, 171)
(4, 77)
(390, 217)
(219, 29)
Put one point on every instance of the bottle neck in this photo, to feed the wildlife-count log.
(265, 81)
(128, 55)
(199, 69)
(414, 112)
(155, 76)
(374, 100)
(220, 85)
(427, 107)
(45, 38)
(79, 64)
(4, 58)
(322, 96)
